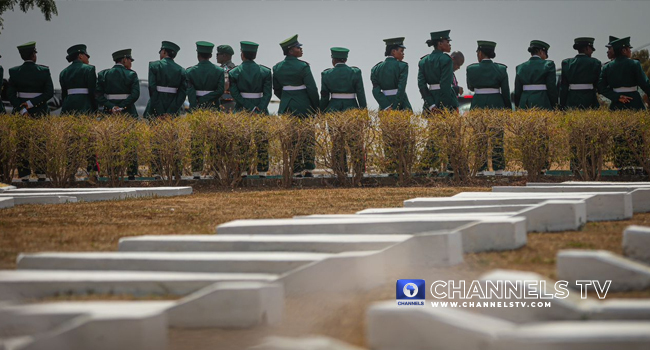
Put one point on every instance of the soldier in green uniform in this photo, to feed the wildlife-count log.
(535, 83)
(435, 74)
(119, 87)
(30, 87)
(580, 77)
(342, 89)
(389, 77)
(610, 51)
(78, 82)
(167, 83)
(489, 81)
(251, 88)
(294, 85)
(619, 81)
(224, 58)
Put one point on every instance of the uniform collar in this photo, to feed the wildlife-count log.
(390, 57)
(486, 60)
(340, 64)
(535, 57)
(168, 58)
(205, 62)
(248, 62)
(287, 58)
(29, 62)
(581, 54)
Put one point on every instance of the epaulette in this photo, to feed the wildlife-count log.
(403, 62)
(305, 62)
(424, 56)
(377, 64)
(261, 65)
(326, 69)
(473, 64)
(44, 66)
(501, 64)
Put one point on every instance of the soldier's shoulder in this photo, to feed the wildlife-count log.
(501, 65)
(472, 65)
(305, 62)
(596, 61)
(43, 67)
(326, 70)
(378, 63)
(263, 67)
(356, 69)
(402, 63)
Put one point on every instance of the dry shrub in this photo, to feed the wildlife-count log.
(591, 138)
(402, 136)
(12, 128)
(633, 131)
(118, 142)
(170, 140)
(287, 133)
(341, 139)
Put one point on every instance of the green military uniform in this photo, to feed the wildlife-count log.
(623, 76)
(78, 82)
(30, 83)
(579, 79)
(341, 86)
(294, 85)
(118, 86)
(435, 77)
(535, 82)
(205, 81)
(489, 81)
(227, 101)
(389, 80)
(167, 85)
(251, 86)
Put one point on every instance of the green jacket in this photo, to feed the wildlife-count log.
(118, 81)
(2, 72)
(623, 72)
(390, 74)
(78, 75)
(30, 78)
(166, 74)
(581, 69)
(208, 79)
(250, 77)
(489, 75)
(437, 68)
(341, 79)
(294, 72)
(536, 71)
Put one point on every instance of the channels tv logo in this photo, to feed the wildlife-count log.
(410, 292)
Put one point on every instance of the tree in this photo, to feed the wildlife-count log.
(644, 59)
(48, 7)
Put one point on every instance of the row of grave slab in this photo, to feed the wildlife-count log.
(240, 277)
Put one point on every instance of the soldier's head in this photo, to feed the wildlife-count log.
(339, 55)
(395, 48)
(291, 46)
(168, 50)
(622, 47)
(204, 50)
(485, 50)
(28, 51)
(124, 58)
(539, 48)
(458, 59)
(584, 46)
(610, 50)
(224, 54)
(248, 50)
(78, 52)
(440, 41)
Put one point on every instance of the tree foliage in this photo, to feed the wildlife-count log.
(644, 59)
(47, 7)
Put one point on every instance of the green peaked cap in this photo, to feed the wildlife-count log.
(204, 47)
(395, 41)
(540, 44)
(225, 49)
(621, 43)
(77, 49)
(170, 46)
(248, 46)
(582, 41)
(290, 42)
(27, 46)
(611, 38)
(125, 53)
(484, 44)
(339, 52)
(437, 36)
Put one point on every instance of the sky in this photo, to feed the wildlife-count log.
(108, 26)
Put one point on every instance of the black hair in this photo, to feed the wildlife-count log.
(618, 51)
(340, 60)
(534, 50)
(489, 52)
(389, 49)
(204, 55)
(26, 55)
(170, 53)
(72, 57)
(582, 47)
(249, 55)
(285, 50)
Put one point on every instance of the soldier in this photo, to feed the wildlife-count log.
(30, 87)
(342, 89)
(489, 81)
(389, 77)
(251, 88)
(205, 80)
(167, 83)
(118, 88)
(435, 74)
(224, 58)
(458, 59)
(294, 85)
(580, 77)
(78, 82)
(610, 51)
(535, 84)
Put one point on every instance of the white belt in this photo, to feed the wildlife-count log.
(78, 91)
(626, 89)
(344, 96)
(293, 88)
(389, 92)
(251, 94)
(166, 89)
(200, 93)
(535, 87)
(486, 91)
(28, 94)
(434, 86)
(581, 86)
(117, 96)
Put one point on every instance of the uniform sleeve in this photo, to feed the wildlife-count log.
(156, 106)
(470, 86)
(376, 91)
(564, 87)
(519, 89)
(400, 99)
(64, 87)
(181, 94)
(551, 85)
(505, 89)
(91, 83)
(12, 94)
(191, 91)
(221, 88)
(604, 88)
(236, 94)
(361, 92)
(48, 91)
(277, 87)
(423, 87)
(312, 90)
(642, 79)
(446, 82)
(266, 92)
(100, 92)
(135, 92)
(324, 93)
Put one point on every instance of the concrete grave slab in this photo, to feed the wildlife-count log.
(81, 196)
(450, 209)
(601, 265)
(636, 243)
(46, 199)
(303, 343)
